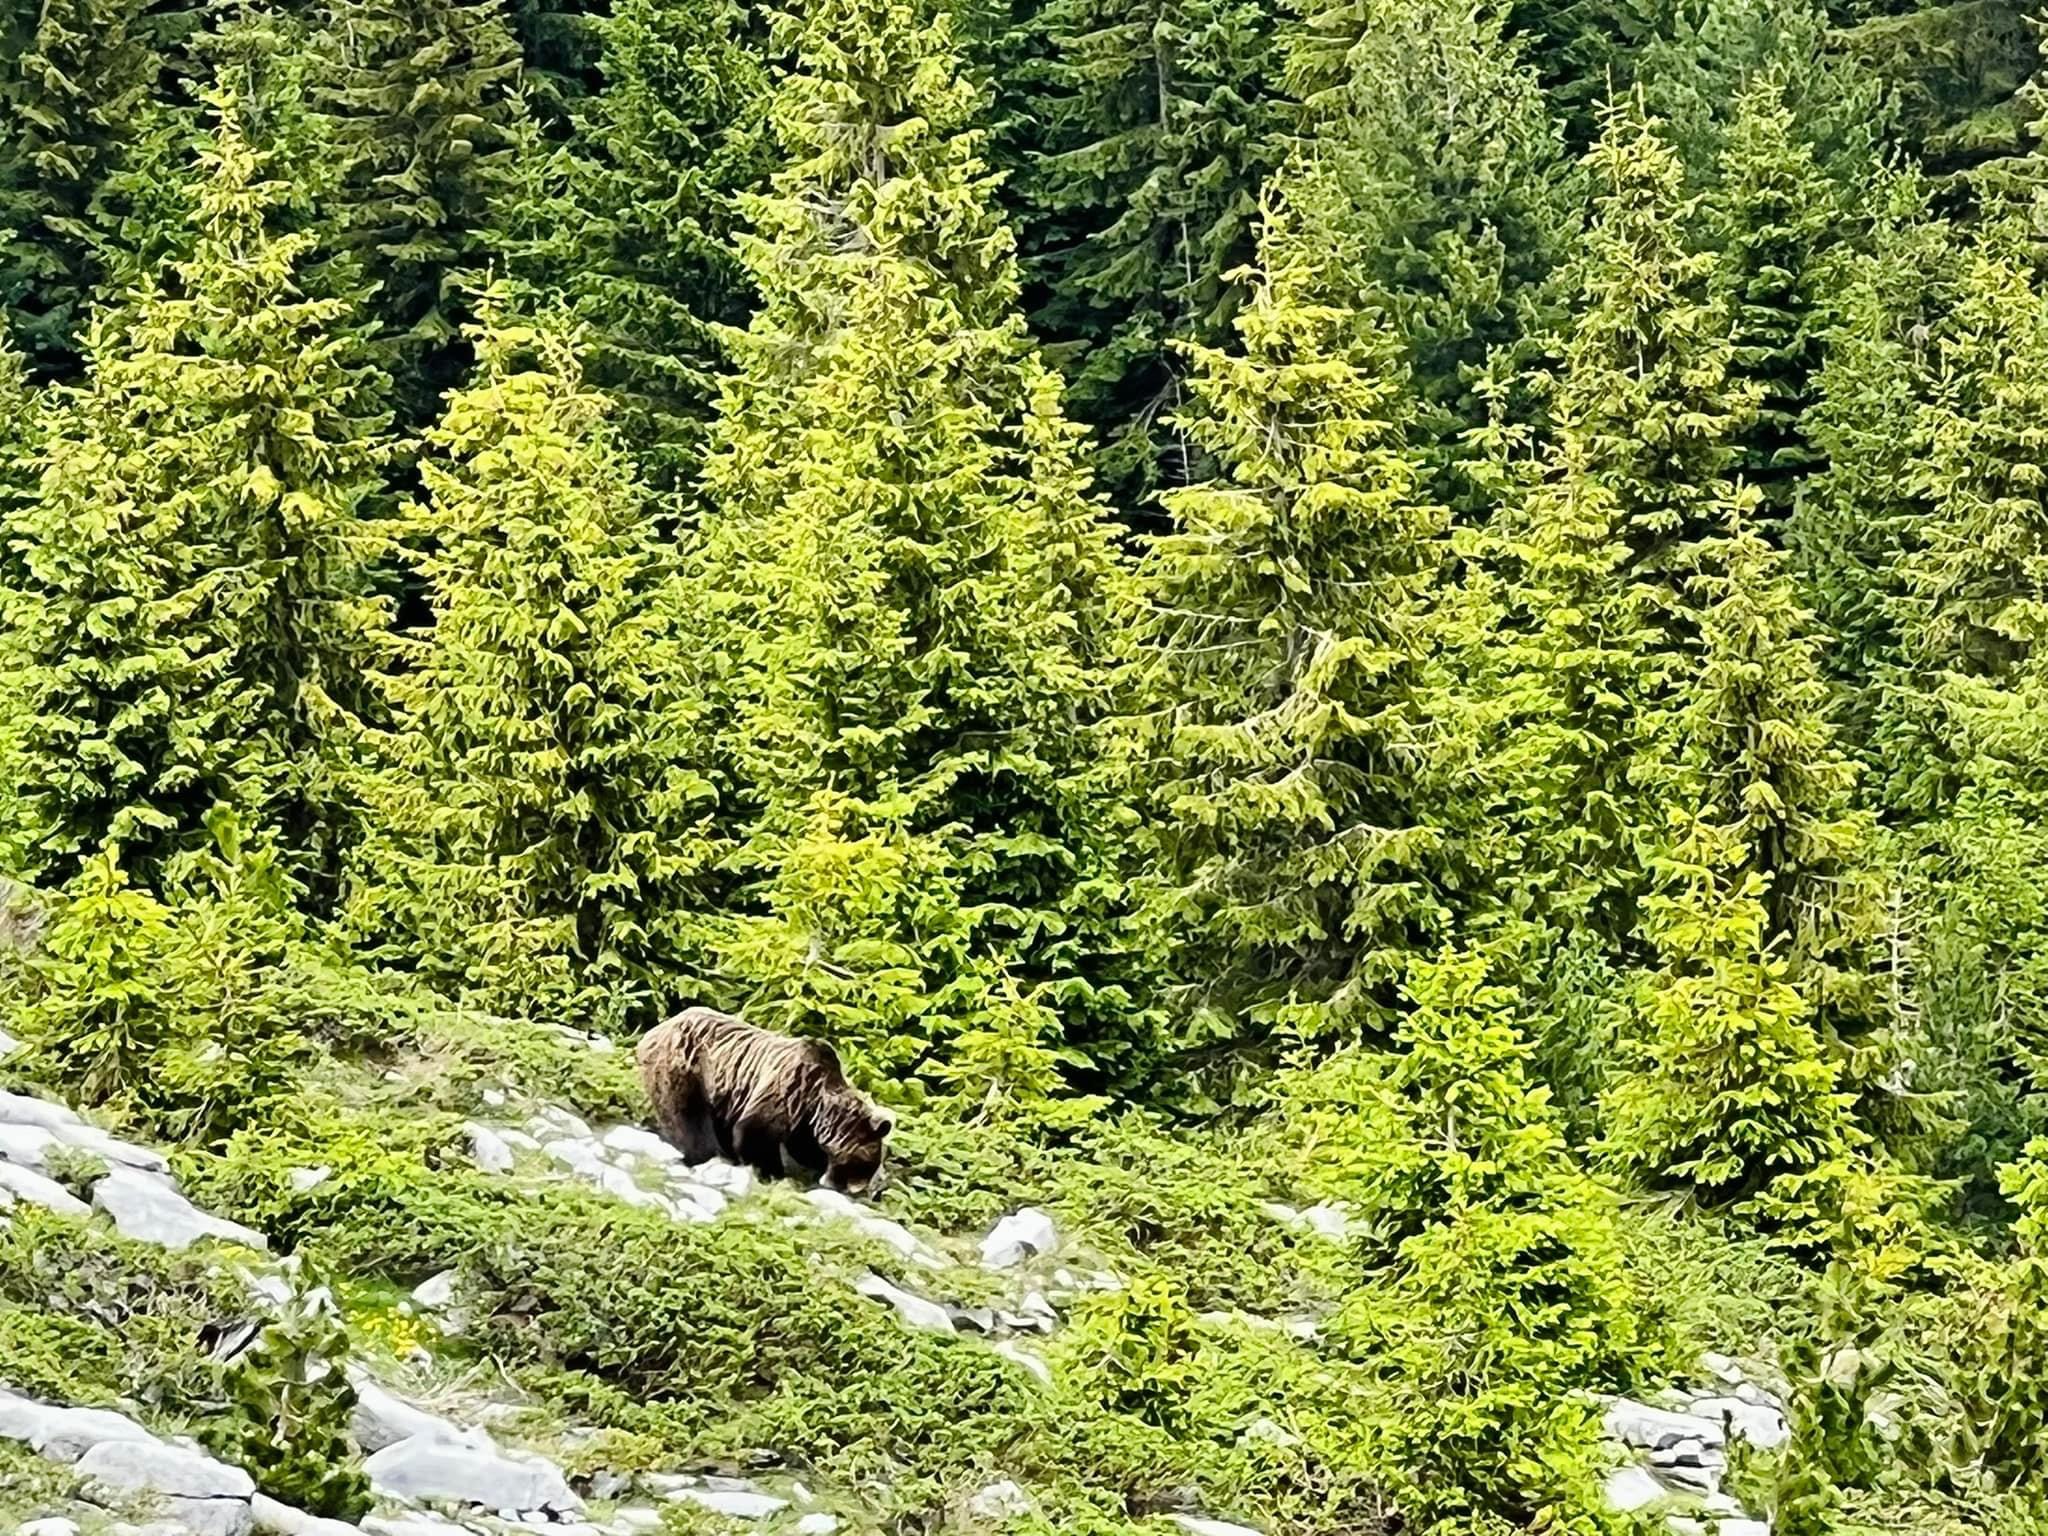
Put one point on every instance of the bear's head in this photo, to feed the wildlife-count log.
(853, 1150)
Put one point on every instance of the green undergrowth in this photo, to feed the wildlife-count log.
(88, 1318)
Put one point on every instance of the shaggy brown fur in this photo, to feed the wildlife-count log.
(722, 1088)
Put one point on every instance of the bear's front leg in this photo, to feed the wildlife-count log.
(759, 1145)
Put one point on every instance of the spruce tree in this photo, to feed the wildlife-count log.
(537, 806)
(1293, 645)
(75, 80)
(1447, 183)
(1772, 219)
(426, 116)
(193, 592)
(1143, 154)
(629, 222)
(1494, 1290)
(1646, 378)
(904, 542)
(1594, 541)
(1859, 512)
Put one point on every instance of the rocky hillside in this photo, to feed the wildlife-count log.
(615, 1346)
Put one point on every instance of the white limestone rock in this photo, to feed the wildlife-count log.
(818, 1525)
(21, 1109)
(449, 1472)
(487, 1149)
(733, 1503)
(382, 1419)
(304, 1179)
(1024, 1234)
(436, 1293)
(27, 1145)
(1011, 1350)
(1650, 1429)
(1196, 1525)
(634, 1142)
(277, 1519)
(1632, 1488)
(1000, 1501)
(149, 1210)
(209, 1497)
(38, 1189)
(55, 1526)
(915, 1311)
(891, 1233)
(1759, 1424)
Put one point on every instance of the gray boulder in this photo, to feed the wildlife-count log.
(446, 1472)
(207, 1496)
(1025, 1234)
(20, 1109)
(37, 1189)
(152, 1211)
(277, 1519)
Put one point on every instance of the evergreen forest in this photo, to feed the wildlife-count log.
(1383, 652)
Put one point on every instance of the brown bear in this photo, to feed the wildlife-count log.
(722, 1088)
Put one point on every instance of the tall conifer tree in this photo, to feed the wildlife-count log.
(904, 540)
(629, 222)
(194, 592)
(1447, 183)
(424, 97)
(1773, 217)
(1294, 637)
(1143, 155)
(75, 80)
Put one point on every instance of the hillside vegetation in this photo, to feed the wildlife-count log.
(1374, 662)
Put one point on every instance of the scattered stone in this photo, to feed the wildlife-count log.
(1286, 1215)
(634, 1142)
(111, 1149)
(980, 1319)
(1683, 1525)
(1000, 1501)
(733, 1179)
(1010, 1350)
(488, 1149)
(736, 1504)
(1631, 1488)
(637, 1517)
(282, 1520)
(52, 1527)
(1025, 1234)
(303, 1179)
(561, 1122)
(1195, 1525)
(1652, 1429)
(411, 1525)
(208, 1496)
(382, 1419)
(579, 1154)
(436, 1293)
(65, 1434)
(28, 1145)
(8, 1044)
(881, 1228)
(1760, 1424)
(623, 1186)
(817, 1525)
(20, 1109)
(451, 1472)
(915, 1311)
(26, 1184)
(1263, 1431)
(1721, 1367)
(1328, 1220)
(151, 1211)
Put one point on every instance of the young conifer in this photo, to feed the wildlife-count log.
(538, 808)
(1772, 217)
(904, 543)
